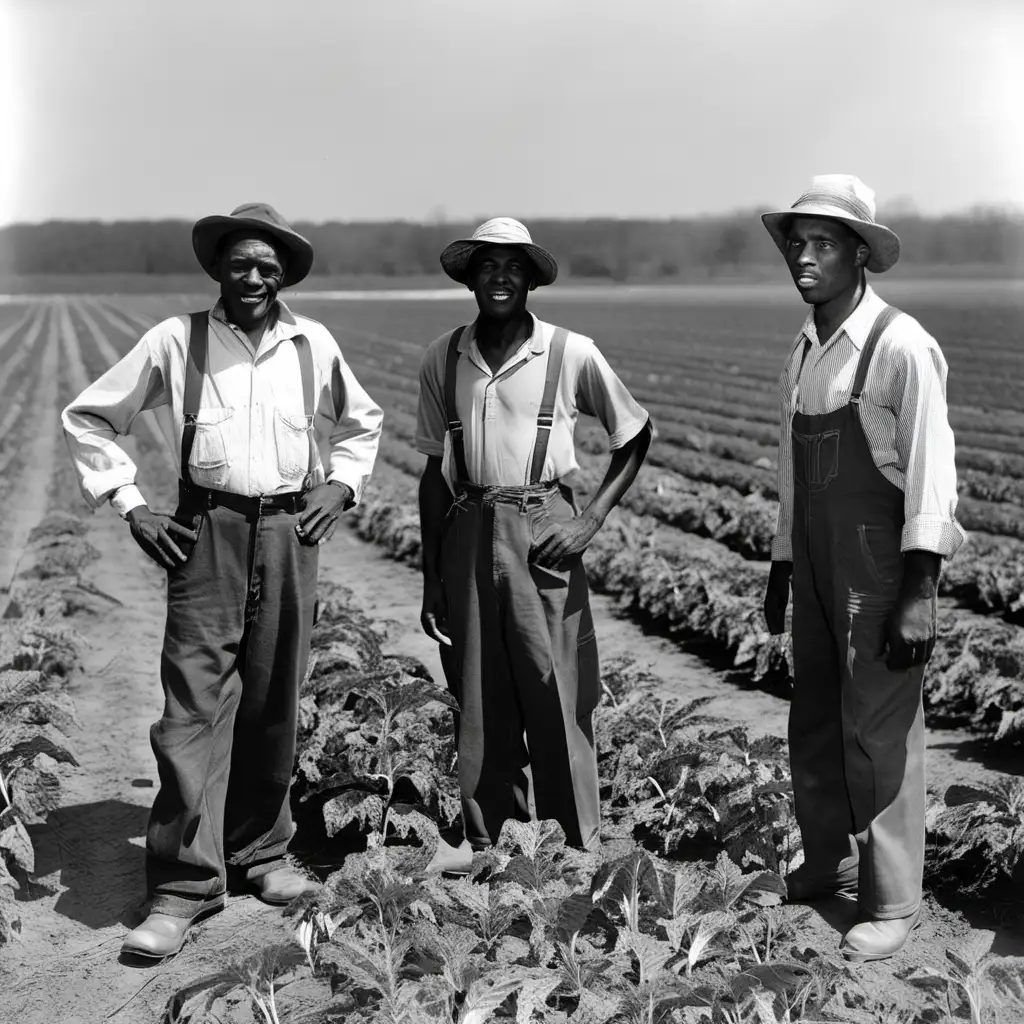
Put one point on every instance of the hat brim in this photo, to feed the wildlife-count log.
(207, 233)
(882, 241)
(456, 256)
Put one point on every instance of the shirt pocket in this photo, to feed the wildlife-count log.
(209, 447)
(291, 438)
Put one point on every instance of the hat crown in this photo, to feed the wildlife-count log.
(845, 191)
(261, 211)
(503, 230)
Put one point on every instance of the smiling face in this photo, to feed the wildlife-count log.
(251, 272)
(825, 257)
(500, 277)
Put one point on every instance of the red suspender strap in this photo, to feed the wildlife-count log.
(450, 412)
(879, 328)
(195, 369)
(546, 415)
(305, 354)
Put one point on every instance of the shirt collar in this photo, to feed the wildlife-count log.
(538, 340)
(856, 326)
(281, 326)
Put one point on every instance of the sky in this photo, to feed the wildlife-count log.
(463, 109)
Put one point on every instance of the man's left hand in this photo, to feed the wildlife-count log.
(910, 631)
(563, 540)
(322, 507)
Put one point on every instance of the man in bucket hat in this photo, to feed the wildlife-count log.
(867, 492)
(505, 592)
(251, 388)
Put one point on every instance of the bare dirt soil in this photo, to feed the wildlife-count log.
(89, 885)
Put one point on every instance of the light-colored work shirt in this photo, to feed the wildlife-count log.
(251, 436)
(499, 410)
(902, 411)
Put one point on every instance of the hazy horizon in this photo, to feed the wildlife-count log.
(451, 111)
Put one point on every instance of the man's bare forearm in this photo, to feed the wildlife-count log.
(622, 470)
(435, 500)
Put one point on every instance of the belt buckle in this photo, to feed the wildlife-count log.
(259, 508)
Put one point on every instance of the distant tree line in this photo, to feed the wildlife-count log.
(598, 248)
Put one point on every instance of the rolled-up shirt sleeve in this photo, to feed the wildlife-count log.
(354, 436)
(600, 393)
(925, 445)
(431, 421)
(107, 409)
(782, 542)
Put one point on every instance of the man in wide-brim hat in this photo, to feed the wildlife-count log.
(867, 501)
(253, 392)
(505, 591)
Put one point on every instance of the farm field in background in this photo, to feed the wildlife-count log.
(686, 556)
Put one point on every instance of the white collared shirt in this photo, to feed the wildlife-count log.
(251, 434)
(902, 411)
(499, 410)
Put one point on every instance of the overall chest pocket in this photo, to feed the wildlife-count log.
(291, 437)
(815, 459)
(210, 447)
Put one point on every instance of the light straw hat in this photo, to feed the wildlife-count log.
(845, 198)
(498, 231)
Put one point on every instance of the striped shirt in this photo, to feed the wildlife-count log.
(499, 410)
(251, 436)
(902, 411)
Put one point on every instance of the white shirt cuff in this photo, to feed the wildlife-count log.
(124, 499)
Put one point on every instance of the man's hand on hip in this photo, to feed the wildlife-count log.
(434, 614)
(776, 597)
(156, 534)
(910, 631)
(322, 507)
(562, 540)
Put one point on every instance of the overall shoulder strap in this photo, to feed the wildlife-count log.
(195, 370)
(451, 365)
(881, 324)
(305, 353)
(546, 414)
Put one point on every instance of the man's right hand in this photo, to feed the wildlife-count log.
(434, 616)
(155, 535)
(776, 596)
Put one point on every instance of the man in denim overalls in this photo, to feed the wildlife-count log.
(505, 592)
(867, 493)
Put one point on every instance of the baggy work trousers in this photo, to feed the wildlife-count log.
(523, 663)
(856, 727)
(236, 646)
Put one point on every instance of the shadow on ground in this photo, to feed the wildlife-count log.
(102, 872)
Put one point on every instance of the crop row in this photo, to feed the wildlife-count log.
(699, 590)
(677, 918)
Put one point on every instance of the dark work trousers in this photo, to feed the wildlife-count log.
(856, 728)
(523, 665)
(236, 647)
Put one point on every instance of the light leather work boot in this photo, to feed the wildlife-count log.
(163, 935)
(451, 860)
(282, 885)
(878, 940)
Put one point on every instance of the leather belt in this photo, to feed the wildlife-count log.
(199, 498)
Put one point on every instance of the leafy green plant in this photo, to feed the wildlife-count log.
(35, 717)
(376, 740)
(258, 975)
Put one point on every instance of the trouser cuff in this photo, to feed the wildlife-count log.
(893, 911)
(184, 906)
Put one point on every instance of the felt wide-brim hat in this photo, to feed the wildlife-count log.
(498, 231)
(845, 198)
(207, 233)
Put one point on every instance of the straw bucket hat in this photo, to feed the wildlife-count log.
(845, 198)
(498, 231)
(262, 217)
